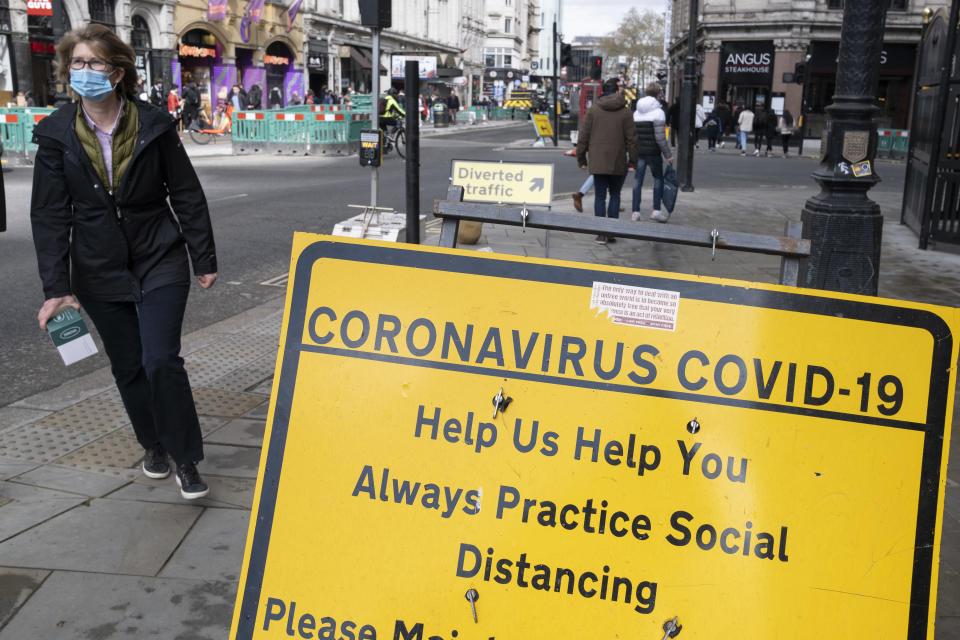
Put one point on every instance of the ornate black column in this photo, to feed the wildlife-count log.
(687, 108)
(844, 225)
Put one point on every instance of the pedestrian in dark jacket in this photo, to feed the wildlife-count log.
(117, 209)
(673, 121)
(762, 130)
(453, 104)
(190, 101)
(255, 97)
(607, 145)
(652, 147)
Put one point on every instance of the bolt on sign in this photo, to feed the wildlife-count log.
(503, 182)
(520, 448)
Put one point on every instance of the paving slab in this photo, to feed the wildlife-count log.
(93, 485)
(10, 468)
(23, 507)
(235, 493)
(244, 432)
(84, 606)
(213, 550)
(11, 416)
(227, 460)
(108, 536)
(16, 585)
(259, 412)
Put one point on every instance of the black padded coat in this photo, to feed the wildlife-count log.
(116, 246)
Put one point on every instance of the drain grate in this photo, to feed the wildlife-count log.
(216, 402)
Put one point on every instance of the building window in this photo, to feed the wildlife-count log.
(101, 11)
(894, 5)
(506, 25)
(140, 36)
(509, 3)
(507, 60)
(497, 57)
(489, 59)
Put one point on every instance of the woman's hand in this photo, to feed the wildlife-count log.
(51, 306)
(207, 279)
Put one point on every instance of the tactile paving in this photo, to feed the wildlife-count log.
(40, 443)
(94, 415)
(217, 402)
(247, 377)
(110, 454)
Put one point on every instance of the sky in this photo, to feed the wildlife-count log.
(599, 17)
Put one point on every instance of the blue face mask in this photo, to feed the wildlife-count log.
(90, 84)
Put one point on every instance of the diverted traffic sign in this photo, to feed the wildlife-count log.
(504, 182)
(541, 121)
(739, 456)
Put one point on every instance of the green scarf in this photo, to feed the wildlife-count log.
(124, 142)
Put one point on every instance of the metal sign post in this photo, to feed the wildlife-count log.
(374, 110)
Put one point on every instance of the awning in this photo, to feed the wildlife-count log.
(361, 57)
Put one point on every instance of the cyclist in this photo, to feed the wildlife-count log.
(390, 110)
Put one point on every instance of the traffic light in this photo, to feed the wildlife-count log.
(800, 72)
(596, 67)
(566, 55)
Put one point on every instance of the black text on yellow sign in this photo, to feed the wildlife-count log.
(504, 182)
(541, 121)
(674, 447)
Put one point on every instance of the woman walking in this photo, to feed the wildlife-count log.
(117, 209)
(785, 126)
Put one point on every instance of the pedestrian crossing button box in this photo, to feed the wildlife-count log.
(371, 148)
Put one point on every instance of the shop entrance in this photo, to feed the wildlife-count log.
(751, 96)
(199, 52)
(278, 62)
(42, 52)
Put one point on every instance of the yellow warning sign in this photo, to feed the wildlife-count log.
(587, 451)
(506, 182)
(542, 122)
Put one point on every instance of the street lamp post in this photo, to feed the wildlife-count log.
(844, 225)
(687, 109)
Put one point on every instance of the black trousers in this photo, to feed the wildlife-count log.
(142, 341)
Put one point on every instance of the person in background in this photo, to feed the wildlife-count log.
(118, 217)
(673, 121)
(607, 147)
(275, 101)
(173, 105)
(255, 97)
(311, 97)
(714, 126)
(190, 104)
(453, 104)
(237, 98)
(699, 117)
(157, 98)
(735, 123)
(652, 147)
(295, 99)
(785, 126)
(744, 128)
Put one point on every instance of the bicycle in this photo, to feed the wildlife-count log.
(395, 137)
(203, 136)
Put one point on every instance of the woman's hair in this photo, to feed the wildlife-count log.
(105, 43)
(652, 90)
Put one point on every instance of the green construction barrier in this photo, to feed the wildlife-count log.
(884, 143)
(250, 130)
(901, 144)
(29, 117)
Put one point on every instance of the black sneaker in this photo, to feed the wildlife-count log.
(601, 239)
(188, 479)
(155, 463)
(611, 239)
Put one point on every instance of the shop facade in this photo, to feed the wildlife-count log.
(743, 56)
(249, 43)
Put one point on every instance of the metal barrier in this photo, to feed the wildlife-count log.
(317, 129)
(16, 131)
(894, 143)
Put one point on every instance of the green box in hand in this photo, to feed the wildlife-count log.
(70, 335)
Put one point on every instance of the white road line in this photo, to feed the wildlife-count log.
(230, 197)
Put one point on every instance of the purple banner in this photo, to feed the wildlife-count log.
(250, 15)
(292, 13)
(216, 10)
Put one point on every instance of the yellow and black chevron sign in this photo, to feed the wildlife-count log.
(519, 104)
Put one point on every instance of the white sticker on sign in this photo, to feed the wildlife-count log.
(636, 306)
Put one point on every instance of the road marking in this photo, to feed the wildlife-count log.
(230, 197)
(277, 281)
